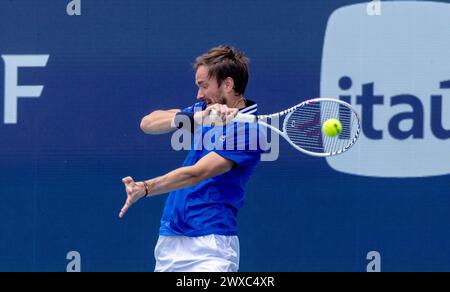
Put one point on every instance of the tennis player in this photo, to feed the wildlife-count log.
(199, 223)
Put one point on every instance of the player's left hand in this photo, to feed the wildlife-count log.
(134, 190)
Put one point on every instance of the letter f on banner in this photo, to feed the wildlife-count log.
(12, 90)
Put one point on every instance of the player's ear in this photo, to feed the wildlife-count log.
(229, 84)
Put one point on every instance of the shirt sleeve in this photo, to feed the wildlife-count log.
(198, 106)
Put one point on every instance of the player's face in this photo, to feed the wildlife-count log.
(208, 90)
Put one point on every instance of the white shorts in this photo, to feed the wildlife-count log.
(209, 253)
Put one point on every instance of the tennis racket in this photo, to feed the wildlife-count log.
(302, 126)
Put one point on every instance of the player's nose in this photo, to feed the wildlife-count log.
(200, 95)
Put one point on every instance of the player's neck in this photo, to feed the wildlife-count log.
(236, 102)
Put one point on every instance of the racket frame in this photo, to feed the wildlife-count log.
(248, 118)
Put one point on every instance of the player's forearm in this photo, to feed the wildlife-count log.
(177, 179)
(158, 122)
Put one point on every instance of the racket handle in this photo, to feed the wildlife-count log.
(239, 118)
(244, 118)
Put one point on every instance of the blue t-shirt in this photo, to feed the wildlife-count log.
(211, 206)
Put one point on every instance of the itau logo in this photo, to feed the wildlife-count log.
(395, 70)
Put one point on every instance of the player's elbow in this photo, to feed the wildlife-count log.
(146, 124)
(199, 174)
(150, 125)
(158, 122)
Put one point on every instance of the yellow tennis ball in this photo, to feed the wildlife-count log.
(332, 127)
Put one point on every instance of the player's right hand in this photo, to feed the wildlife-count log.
(216, 114)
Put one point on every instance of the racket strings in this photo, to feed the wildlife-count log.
(331, 111)
(304, 127)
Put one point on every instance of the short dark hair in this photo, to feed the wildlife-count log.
(223, 62)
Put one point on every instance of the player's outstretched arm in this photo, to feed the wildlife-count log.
(210, 165)
(158, 122)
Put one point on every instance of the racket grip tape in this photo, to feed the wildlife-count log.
(239, 118)
(245, 118)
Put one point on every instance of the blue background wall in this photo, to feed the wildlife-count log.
(61, 165)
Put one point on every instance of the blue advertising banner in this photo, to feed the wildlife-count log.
(77, 77)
